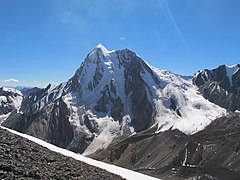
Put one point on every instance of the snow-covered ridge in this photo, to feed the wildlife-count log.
(20, 88)
(104, 50)
(125, 173)
(231, 70)
(11, 90)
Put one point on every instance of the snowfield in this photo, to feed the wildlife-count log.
(195, 111)
(108, 129)
(125, 173)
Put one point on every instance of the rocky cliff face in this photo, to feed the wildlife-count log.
(221, 86)
(43, 116)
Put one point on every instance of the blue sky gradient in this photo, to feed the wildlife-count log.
(45, 41)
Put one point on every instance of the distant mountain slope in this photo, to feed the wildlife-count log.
(212, 153)
(10, 101)
(221, 86)
(20, 88)
(112, 94)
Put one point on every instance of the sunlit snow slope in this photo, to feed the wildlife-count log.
(192, 111)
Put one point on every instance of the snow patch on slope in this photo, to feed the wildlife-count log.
(108, 129)
(71, 100)
(125, 173)
(3, 99)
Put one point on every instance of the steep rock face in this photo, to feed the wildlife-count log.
(139, 91)
(44, 115)
(50, 124)
(31, 96)
(221, 86)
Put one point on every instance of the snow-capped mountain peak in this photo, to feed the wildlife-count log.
(105, 81)
(100, 49)
(111, 83)
(116, 91)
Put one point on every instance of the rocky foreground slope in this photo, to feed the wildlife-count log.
(24, 159)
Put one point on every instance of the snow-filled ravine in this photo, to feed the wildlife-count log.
(231, 70)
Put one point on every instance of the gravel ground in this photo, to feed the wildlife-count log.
(24, 159)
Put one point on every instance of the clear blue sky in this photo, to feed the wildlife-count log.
(45, 41)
